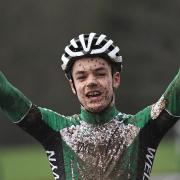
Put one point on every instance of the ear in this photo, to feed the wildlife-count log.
(72, 86)
(116, 79)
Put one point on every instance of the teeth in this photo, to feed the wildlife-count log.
(94, 93)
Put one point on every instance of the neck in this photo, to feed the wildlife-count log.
(101, 117)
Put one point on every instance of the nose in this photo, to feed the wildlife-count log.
(92, 81)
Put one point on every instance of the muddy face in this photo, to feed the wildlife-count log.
(94, 83)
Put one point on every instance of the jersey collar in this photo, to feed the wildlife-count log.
(98, 118)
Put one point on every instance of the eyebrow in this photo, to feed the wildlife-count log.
(96, 70)
(100, 69)
(80, 72)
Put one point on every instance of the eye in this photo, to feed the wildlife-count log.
(100, 73)
(81, 77)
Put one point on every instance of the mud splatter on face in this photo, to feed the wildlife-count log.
(95, 87)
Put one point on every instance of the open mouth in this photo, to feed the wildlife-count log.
(93, 94)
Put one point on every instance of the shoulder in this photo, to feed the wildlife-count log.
(56, 120)
(139, 119)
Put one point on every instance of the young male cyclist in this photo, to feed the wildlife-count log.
(100, 143)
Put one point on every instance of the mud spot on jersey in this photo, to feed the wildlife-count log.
(157, 108)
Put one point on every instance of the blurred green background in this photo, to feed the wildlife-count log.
(33, 35)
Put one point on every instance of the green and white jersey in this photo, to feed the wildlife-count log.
(106, 146)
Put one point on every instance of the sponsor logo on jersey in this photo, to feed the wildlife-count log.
(148, 163)
(52, 161)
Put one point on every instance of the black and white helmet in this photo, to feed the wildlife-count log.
(90, 44)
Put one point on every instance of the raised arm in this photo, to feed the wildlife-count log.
(170, 100)
(12, 101)
(172, 96)
(162, 115)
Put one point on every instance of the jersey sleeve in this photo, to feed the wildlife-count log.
(13, 103)
(155, 120)
(172, 97)
(18, 107)
(169, 101)
(158, 118)
(40, 123)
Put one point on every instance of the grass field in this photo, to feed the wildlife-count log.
(30, 162)
(24, 163)
(167, 159)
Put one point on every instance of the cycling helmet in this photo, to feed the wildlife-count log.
(89, 45)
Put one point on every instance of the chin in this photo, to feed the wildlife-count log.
(96, 109)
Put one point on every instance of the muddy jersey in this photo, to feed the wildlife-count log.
(106, 146)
